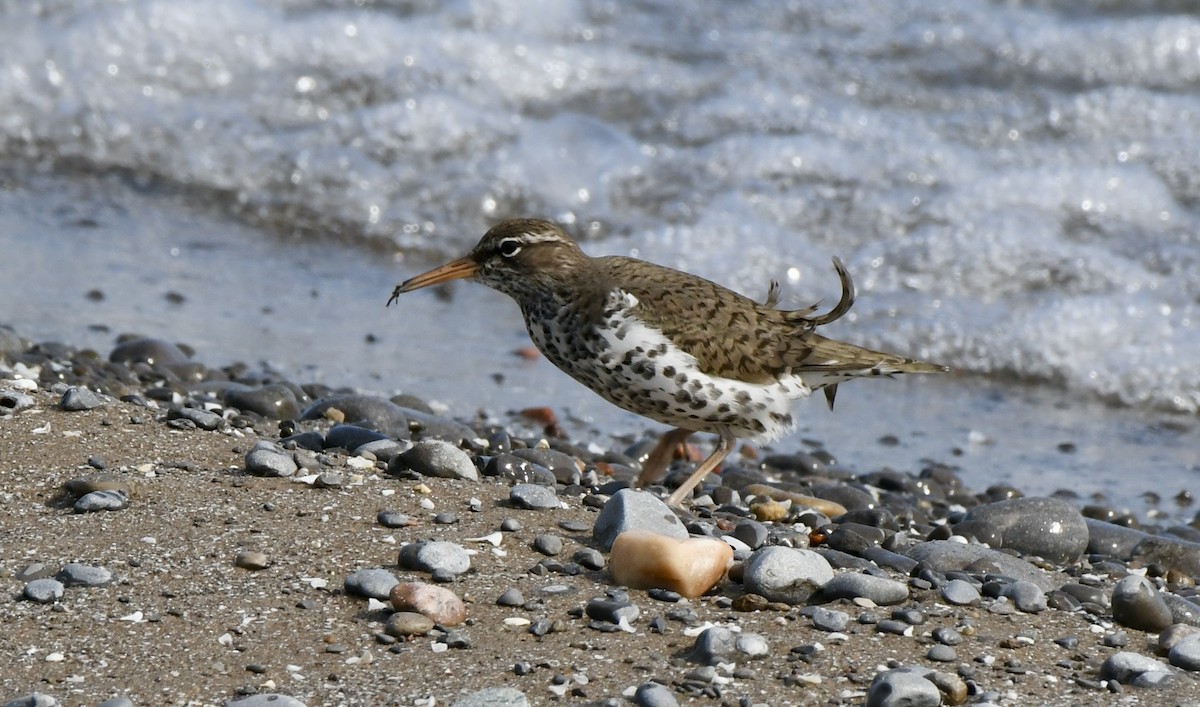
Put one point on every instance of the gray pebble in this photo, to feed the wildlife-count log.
(435, 556)
(1186, 653)
(265, 700)
(786, 574)
(385, 450)
(408, 623)
(350, 437)
(77, 399)
(629, 510)
(652, 694)
(752, 645)
(203, 419)
(367, 411)
(851, 585)
(1049, 528)
(77, 574)
(715, 645)
(948, 555)
(13, 401)
(43, 591)
(829, 619)
(328, 480)
(251, 560)
(590, 558)
(533, 497)
(1026, 596)
(35, 699)
(518, 470)
(274, 401)
(120, 701)
(960, 592)
(947, 636)
(101, 501)
(373, 583)
(902, 688)
(493, 697)
(438, 459)
(266, 459)
(1137, 604)
(511, 597)
(393, 519)
(548, 544)
(155, 352)
(942, 654)
(751, 532)
(563, 466)
(612, 610)
(1126, 667)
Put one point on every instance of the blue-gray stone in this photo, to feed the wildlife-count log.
(563, 466)
(630, 510)
(265, 700)
(267, 459)
(829, 619)
(351, 437)
(902, 688)
(960, 592)
(373, 583)
(493, 697)
(430, 426)
(154, 352)
(752, 645)
(43, 591)
(385, 450)
(1182, 610)
(948, 556)
(121, 701)
(751, 532)
(1137, 604)
(534, 497)
(435, 556)
(850, 585)
(368, 411)
(652, 694)
(77, 574)
(1026, 596)
(274, 401)
(101, 501)
(786, 574)
(715, 645)
(1186, 653)
(203, 419)
(1127, 666)
(77, 399)
(14, 401)
(1112, 540)
(35, 699)
(438, 459)
(1049, 528)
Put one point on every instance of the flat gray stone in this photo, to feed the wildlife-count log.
(266, 459)
(101, 501)
(77, 574)
(534, 497)
(34, 699)
(830, 620)
(14, 401)
(77, 399)
(1186, 653)
(960, 592)
(493, 697)
(374, 583)
(902, 688)
(786, 574)
(948, 555)
(629, 510)
(437, 459)
(1127, 666)
(850, 585)
(1049, 528)
(435, 556)
(203, 419)
(43, 591)
(652, 694)
(266, 700)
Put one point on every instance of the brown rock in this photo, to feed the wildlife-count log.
(408, 623)
(641, 559)
(438, 603)
(829, 508)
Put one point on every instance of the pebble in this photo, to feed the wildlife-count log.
(34, 699)
(120, 701)
(629, 510)
(435, 556)
(902, 688)
(652, 694)
(942, 654)
(371, 583)
(393, 519)
(830, 620)
(641, 559)
(437, 459)
(948, 556)
(101, 501)
(252, 560)
(43, 591)
(1130, 668)
(77, 399)
(203, 419)
(751, 532)
(1049, 528)
(274, 401)
(385, 450)
(408, 623)
(367, 411)
(786, 574)
(511, 597)
(534, 497)
(353, 437)
(548, 544)
(519, 471)
(1026, 596)
(959, 592)
(438, 603)
(264, 699)
(1186, 653)
(77, 574)
(613, 611)
(267, 459)
(1137, 604)
(853, 585)
(589, 558)
(493, 697)
(13, 401)
(154, 352)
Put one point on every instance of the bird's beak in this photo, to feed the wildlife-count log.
(454, 270)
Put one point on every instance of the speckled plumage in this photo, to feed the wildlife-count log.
(662, 343)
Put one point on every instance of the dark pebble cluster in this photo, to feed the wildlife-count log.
(845, 554)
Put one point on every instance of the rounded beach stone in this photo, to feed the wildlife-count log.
(652, 694)
(714, 645)
(438, 603)
(203, 419)
(43, 591)
(251, 560)
(265, 700)
(902, 688)
(852, 585)
(101, 501)
(438, 459)
(533, 497)
(641, 559)
(1049, 528)
(274, 401)
(34, 699)
(493, 697)
(1126, 667)
(1026, 596)
(373, 583)
(947, 556)
(408, 623)
(77, 574)
(830, 620)
(363, 410)
(1137, 604)
(959, 592)
(435, 556)
(640, 510)
(786, 574)
(266, 459)
(155, 352)
(77, 399)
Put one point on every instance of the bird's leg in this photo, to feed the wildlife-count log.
(660, 457)
(724, 447)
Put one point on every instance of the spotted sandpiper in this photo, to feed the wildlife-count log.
(665, 344)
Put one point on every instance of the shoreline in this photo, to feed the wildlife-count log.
(291, 628)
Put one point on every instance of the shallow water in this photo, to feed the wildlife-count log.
(1015, 187)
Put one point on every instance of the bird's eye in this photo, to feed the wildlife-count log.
(510, 247)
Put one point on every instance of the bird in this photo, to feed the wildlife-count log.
(665, 344)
